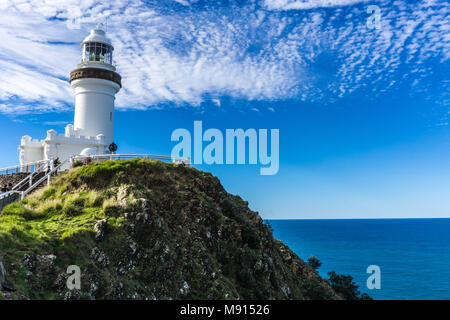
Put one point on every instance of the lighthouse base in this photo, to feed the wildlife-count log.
(61, 146)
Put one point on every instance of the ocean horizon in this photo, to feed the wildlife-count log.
(412, 253)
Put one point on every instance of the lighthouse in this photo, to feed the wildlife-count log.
(95, 83)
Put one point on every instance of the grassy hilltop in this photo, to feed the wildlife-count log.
(141, 229)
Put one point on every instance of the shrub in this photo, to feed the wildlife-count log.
(268, 227)
(51, 207)
(111, 208)
(314, 289)
(77, 163)
(365, 296)
(250, 236)
(71, 210)
(15, 209)
(48, 193)
(314, 262)
(94, 199)
(22, 209)
(78, 201)
(346, 287)
(73, 206)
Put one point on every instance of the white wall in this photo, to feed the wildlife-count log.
(61, 146)
(94, 107)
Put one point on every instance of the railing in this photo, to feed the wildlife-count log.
(26, 167)
(47, 177)
(29, 179)
(104, 157)
(7, 198)
(15, 194)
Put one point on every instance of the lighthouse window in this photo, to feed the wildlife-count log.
(94, 51)
(98, 53)
(89, 52)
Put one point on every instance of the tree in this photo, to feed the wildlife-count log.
(365, 296)
(346, 287)
(314, 262)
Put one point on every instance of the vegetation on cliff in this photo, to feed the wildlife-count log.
(141, 229)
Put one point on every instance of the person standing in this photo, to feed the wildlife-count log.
(56, 163)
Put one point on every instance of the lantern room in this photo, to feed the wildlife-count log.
(97, 47)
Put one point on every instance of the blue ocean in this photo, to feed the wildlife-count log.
(413, 254)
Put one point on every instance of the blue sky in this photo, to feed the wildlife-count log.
(363, 113)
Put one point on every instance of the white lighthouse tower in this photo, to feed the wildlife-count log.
(95, 83)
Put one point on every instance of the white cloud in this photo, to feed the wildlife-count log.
(184, 2)
(307, 4)
(182, 54)
(57, 123)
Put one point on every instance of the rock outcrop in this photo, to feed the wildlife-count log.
(140, 229)
(4, 284)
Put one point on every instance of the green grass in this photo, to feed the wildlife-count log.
(50, 220)
(60, 218)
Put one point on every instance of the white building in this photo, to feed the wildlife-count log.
(95, 84)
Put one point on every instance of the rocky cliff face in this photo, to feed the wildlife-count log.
(140, 229)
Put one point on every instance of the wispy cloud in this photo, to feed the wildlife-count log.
(183, 52)
(307, 4)
(57, 123)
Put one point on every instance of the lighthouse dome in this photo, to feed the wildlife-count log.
(97, 35)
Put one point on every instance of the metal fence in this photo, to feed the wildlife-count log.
(26, 167)
(7, 198)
